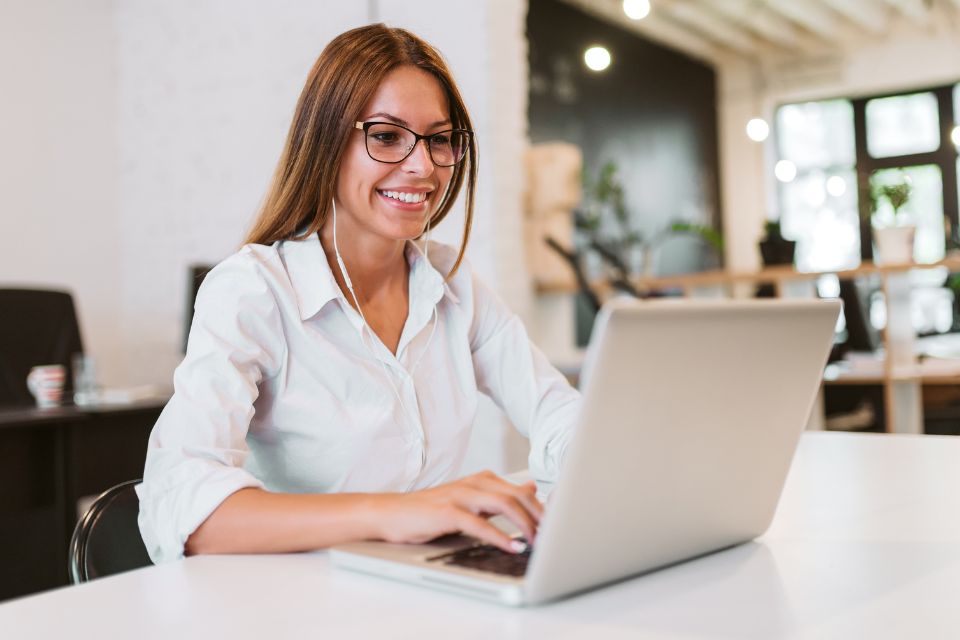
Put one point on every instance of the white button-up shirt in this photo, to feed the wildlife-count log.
(284, 388)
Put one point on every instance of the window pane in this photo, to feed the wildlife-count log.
(900, 125)
(956, 117)
(816, 134)
(924, 208)
(820, 213)
(956, 104)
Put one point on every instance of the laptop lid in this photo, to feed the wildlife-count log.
(692, 411)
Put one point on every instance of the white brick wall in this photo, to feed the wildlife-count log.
(58, 214)
(140, 136)
(205, 92)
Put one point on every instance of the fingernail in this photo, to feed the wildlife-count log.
(518, 547)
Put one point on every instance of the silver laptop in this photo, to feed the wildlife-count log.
(691, 414)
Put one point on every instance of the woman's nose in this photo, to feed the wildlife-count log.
(419, 160)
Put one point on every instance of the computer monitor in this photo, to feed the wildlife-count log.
(861, 334)
(197, 273)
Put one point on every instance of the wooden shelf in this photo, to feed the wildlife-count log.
(901, 377)
(769, 275)
(862, 379)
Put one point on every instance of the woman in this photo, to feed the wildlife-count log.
(331, 377)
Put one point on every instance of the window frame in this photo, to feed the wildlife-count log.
(945, 157)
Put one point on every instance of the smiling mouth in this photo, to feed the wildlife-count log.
(405, 196)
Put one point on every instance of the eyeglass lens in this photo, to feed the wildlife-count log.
(392, 143)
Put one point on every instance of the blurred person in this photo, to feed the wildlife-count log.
(332, 373)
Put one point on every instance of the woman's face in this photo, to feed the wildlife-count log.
(415, 99)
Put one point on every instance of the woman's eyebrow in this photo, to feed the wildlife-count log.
(402, 122)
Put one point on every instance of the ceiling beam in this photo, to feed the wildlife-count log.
(812, 17)
(866, 14)
(711, 26)
(764, 23)
(915, 10)
(653, 27)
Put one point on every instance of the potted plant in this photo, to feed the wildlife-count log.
(953, 285)
(774, 248)
(605, 231)
(894, 234)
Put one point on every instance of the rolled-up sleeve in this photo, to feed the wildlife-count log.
(510, 369)
(197, 449)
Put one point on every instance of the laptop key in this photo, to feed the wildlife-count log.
(488, 558)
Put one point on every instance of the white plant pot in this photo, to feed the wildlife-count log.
(894, 244)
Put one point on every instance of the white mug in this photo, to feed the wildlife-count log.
(46, 384)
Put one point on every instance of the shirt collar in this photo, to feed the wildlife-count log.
(313, 281)
(425, 276)
(315, 285)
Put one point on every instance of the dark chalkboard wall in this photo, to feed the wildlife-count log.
(652, 112)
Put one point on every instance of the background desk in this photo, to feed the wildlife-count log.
(899, 376)
(49, 459)
(865, 544)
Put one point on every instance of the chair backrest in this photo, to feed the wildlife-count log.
(861, 334)
(36, 327)
(107, 539)
(197, 274)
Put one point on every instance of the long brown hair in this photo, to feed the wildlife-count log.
(342, 81)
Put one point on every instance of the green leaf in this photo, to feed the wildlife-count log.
(706, 233)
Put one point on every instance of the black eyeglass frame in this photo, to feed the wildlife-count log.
(365, 127)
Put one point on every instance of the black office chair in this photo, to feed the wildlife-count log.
(107, 540)
(197, 274)
(36, 327)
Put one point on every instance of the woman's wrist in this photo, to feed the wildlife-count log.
(370, 514)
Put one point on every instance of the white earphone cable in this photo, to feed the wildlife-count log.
(435, 317)
(366, 326)
(363, 318)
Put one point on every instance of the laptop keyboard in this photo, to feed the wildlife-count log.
(486, 557)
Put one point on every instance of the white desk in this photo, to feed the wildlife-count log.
(866, 544)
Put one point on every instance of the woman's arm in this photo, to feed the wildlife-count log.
(197, 450)
(197, 497)
(510, 369)
(256, 521)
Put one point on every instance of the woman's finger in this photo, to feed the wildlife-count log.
(526, 493)
(479, 528)
(478, 501)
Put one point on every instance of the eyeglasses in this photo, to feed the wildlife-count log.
(391, 143)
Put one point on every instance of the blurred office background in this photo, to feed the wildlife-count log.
(137, 138)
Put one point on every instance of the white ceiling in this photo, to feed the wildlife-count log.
(723, 30)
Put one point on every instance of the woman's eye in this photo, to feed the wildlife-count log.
(440, 140)
(385, 138)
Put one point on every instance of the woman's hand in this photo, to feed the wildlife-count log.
(461, 506)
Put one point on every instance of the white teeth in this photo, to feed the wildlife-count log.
(404, 196)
